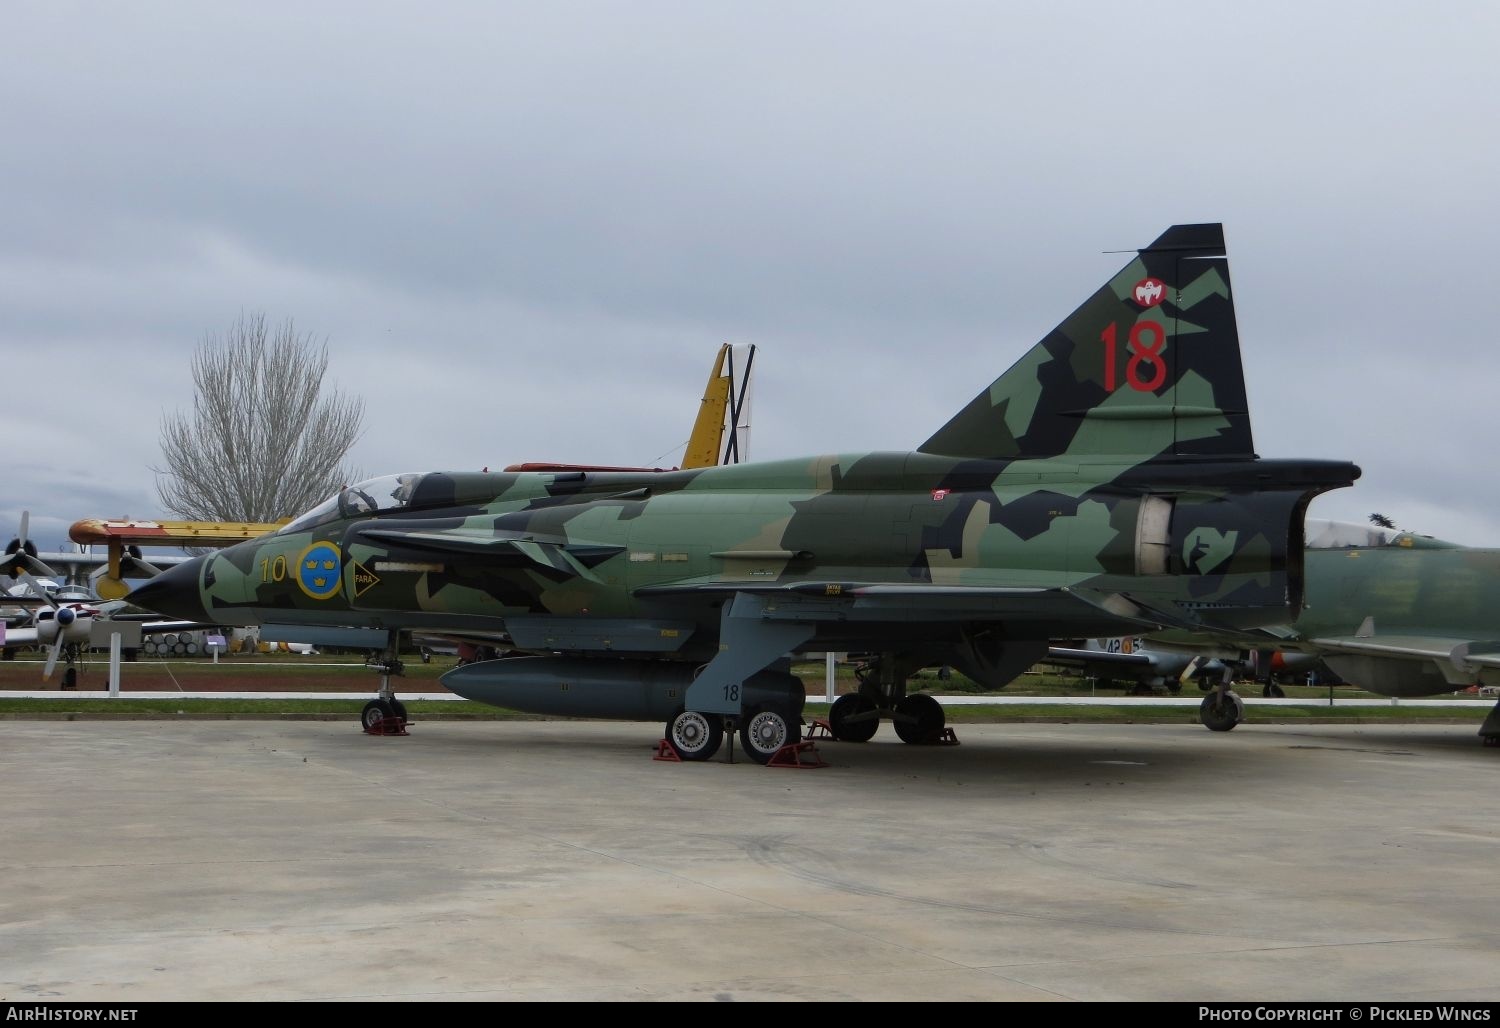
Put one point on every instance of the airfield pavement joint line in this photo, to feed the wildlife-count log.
(797, 754)
(388, 726)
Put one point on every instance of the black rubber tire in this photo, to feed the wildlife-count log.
(1220, 716)
(375, 711)
(399, 709)
(918, 718)
(765, 731)
(694, 735)
(1272, 691)
(853, 718)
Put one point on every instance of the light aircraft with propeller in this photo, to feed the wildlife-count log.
(59, 615)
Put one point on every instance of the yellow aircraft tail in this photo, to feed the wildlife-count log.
(721, 433)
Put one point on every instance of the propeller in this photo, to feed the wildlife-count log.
(65, 617)
(20, 554)
(19, 562)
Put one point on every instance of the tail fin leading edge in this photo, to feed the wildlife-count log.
(1147, 367)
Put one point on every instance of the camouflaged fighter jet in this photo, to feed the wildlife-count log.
(1392, 612)
(1107, 484)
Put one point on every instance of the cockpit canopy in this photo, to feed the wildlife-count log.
(458, 492)
(1351, 535)
(372, 496)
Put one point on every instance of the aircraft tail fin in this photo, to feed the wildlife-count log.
(721, 433)
(1147, 367)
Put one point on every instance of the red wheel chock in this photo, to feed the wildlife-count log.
(388, 726)
(819, 729)
(797, 754)
(666, 751)
(942, 737)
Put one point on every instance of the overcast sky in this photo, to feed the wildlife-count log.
(523, 229)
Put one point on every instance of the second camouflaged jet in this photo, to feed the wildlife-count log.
(1107, 484)
(1395, 613)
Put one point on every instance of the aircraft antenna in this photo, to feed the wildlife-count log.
(674, 449)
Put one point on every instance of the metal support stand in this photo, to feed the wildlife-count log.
(114, 664)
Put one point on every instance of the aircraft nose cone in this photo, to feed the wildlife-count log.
(174, 593)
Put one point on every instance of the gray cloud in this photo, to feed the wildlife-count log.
(524, 229)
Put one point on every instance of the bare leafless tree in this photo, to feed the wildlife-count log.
(262, 442)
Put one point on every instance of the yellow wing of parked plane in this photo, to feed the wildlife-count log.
(123, 539)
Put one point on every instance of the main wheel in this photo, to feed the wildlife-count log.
(695, 736)
(375, 712)
(853, 718)
(918, 718)
(1273, 691)
(1221, 712)
(70, 678)
(768, 730)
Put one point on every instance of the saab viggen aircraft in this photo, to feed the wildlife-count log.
(1107, 484)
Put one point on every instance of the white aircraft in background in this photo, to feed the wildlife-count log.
(62, 628)
(65, 630)
(58, 615)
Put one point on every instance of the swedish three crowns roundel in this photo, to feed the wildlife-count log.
(318, 570)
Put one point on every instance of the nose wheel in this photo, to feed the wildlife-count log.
(384, 717)
(1220, 711)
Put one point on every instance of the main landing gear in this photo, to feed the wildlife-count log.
(855, 717)
(763, 732)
